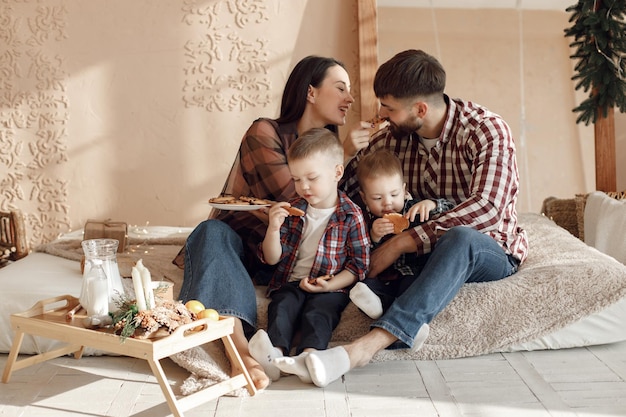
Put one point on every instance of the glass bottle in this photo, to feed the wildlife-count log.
(94, 295)
(104, 251)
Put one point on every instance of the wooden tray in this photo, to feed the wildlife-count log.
(48, 318)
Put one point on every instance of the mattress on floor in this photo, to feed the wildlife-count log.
(42, 276)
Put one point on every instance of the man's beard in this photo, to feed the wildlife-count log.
(407, 127)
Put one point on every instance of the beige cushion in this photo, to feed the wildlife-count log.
(605, 224)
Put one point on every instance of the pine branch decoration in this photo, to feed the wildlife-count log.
(599, 33)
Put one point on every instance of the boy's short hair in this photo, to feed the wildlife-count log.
(316, 140)
(381, 162)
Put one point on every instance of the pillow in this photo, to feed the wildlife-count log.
(605, 224)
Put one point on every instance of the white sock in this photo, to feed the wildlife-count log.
(295, 365)
(325, 366)
(420, 337)
(262, 350)
(366, 300)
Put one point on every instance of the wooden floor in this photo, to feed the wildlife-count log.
(576, 382)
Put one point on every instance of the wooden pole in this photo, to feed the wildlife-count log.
(604, 132)
(368, 57)
(606, 171)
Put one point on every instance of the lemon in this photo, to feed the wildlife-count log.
(194, 306)
(210, 314)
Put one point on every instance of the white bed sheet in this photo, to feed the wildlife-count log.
(606, 326)
(37, 277)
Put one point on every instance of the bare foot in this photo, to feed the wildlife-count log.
(257, 374)
(363, 349)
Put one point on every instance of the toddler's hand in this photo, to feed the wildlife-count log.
(422, 208)
(380, 228)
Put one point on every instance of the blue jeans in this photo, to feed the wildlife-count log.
(461, 255)
(215, 273)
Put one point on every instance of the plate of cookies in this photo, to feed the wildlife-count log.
(242, 203)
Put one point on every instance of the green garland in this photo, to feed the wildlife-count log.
(124, 322)
(599, 33)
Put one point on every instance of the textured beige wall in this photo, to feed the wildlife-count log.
(516, 62)
(134, 110)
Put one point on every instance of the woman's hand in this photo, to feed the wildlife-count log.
(356, 140)
(262, 214)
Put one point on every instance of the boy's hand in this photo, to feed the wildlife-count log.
(422, 208)
(277, 214)
(319, 284)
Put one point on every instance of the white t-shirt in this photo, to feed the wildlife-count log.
(315, 221)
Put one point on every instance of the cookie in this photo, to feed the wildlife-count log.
(400, 223)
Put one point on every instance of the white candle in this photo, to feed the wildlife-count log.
(140, 297)
(146, 280)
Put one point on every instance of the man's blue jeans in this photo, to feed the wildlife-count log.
(461, 255)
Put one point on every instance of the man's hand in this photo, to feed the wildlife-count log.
(387, 253)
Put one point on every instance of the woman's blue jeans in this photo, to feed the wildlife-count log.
(461, 255)
(215, 273)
